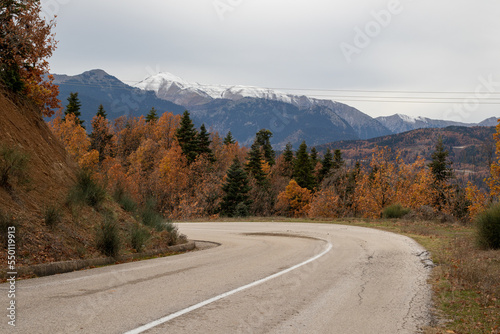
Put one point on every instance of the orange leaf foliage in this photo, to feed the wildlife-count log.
(295, 200)
(27, 43)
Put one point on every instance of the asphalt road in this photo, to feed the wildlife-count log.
(263, 278)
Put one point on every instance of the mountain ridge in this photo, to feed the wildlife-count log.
(243, 110)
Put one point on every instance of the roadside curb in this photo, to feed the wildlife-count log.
(47, 269)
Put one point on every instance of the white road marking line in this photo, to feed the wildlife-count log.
(224, 295)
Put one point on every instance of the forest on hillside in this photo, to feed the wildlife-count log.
(191, 173)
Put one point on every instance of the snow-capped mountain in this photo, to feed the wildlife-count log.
(195, 95)
(173, 88)
(401, 123)
(240, 109)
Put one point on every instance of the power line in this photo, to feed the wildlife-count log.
(354, 98)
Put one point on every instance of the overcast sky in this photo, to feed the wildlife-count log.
(332, 49)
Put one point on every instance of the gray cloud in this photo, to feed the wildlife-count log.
(428, 45)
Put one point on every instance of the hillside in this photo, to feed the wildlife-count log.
(46, 182)
(469, 147)
(50, 173)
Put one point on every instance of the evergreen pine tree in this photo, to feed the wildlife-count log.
(254, 164)
(338, 161)
(73, 107)
(441, 165)
(204, 143)
(263, 139)
(152, 115)
(303, 171)
(101, 112)
(229, 139)
(314, 157)
(288, 160)
(288, 153)
(442, 172)
(326, 165)
(187, 136)
(236, 200)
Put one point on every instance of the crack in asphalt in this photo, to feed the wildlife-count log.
(363, 274)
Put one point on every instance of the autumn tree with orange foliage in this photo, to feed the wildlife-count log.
(75, 140)
(391, 181)
(294, 201)
(26, 44)
(479, 199)
(101, 138)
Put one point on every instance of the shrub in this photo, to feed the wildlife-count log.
(488, 228)
(150, 217)
(108, 238)
(138, 237)
(13, 165)
(173, 233)
(87, 190)
(395, 211)
(52, 216)
(124, 199)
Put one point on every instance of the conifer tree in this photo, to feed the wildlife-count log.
(288, 153)
(187, 136)
(263, 139)
(288, 160)
(303, 171)
(314, 157)
(101, 112)
(254, 164)
(204, 143)
(236, 200)
(338, 161)
(441, 165)
(152, 115)
(73, 107)
(327, 164)
(229, 139)
(442, 173)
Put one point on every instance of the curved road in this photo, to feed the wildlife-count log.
(263, 278)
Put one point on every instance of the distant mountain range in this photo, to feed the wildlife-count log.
(242, 110)
(469, 147)
(401, 123)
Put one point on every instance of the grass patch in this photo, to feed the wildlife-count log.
(138, 237)
(125, 200)
(52, 216)
(150, 216)
(87, 191)
(108, 238)
(13, 166)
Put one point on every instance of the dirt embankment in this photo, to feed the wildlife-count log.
(49, 174)
(50, 170)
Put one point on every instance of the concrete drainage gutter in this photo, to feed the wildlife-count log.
(47, 269)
